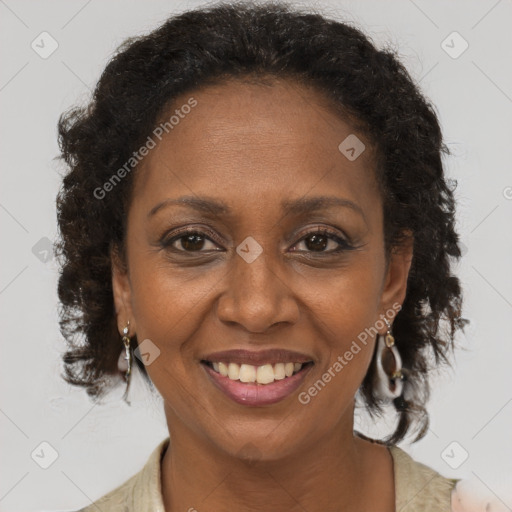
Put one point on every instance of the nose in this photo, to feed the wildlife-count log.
(257, 296)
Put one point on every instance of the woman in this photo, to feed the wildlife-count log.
(256, 218)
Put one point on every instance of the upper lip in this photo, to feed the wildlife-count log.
(257, 358)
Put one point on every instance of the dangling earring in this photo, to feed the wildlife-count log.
(124, 363)
(389, 378)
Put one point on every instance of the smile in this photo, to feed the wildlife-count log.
(257, 385)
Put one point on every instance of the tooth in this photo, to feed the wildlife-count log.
(279, 371)
(247, 373)
(265, 374)
(233, 371)
(223, 369)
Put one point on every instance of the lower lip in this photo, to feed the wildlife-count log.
(257, 394)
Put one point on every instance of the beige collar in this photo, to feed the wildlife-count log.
(417, 487)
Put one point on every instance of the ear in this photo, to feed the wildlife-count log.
(121, 288)
(395, 282)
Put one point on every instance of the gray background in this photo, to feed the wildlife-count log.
(100, 446)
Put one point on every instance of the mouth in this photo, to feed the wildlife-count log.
(253, 385)
(253, 374)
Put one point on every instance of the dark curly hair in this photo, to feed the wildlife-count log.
(249, 41)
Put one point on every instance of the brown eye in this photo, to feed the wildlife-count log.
(190, 241)
(316, 242)
(319, 241)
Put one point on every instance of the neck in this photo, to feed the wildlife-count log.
(336, 473)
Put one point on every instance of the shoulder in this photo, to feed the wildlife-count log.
(140, 492)
(419, 487)
(117, 499)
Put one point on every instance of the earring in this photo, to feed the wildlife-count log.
(389, 378)
(124, 363)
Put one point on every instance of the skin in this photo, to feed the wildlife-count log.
(253, 146)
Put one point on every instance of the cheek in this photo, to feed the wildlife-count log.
(166, 297)
(167, 311)
(171, 306)
(347, 300)
(346, 341)
(344, 314)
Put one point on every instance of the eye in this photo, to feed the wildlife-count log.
(321, 240)
(190, 241)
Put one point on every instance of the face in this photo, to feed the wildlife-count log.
(265, 265)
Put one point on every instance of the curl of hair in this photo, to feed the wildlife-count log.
(246, 41)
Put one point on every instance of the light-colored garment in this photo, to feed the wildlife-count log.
(418, 488)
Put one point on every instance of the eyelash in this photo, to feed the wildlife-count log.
(166, 243)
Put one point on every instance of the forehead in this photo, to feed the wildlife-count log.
(242, 139)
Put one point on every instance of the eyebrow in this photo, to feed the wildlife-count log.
(294, 207)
